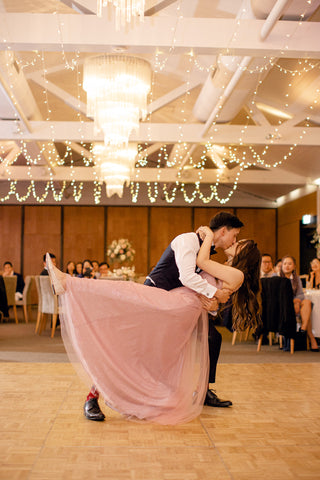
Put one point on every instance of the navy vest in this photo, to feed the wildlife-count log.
(166, 274)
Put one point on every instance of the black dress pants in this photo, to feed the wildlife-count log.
(215, 340)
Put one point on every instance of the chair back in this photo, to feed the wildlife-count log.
(11, 285)
(26, 294)
(37, 282)
(278, 313)
(49, 301)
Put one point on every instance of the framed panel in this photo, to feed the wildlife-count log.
(42, 233)
(260, 225)
(10, 238)
(130, 223)
(165, 224)
(83, 234)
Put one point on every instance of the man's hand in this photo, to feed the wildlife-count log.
(209, 304)
(223, 295)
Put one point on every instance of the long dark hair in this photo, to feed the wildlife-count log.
(246, 300)
(295, 278)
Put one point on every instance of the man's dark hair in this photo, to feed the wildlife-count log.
(52, 255)
(104, 263)
(266, 255)
(225, 219)
(7, 263)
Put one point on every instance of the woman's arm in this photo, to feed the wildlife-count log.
(232, 277)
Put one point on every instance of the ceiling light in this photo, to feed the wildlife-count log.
(117, 87)
(126, 10)
(114, 167)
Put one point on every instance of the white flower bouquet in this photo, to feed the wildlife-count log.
(120, 251)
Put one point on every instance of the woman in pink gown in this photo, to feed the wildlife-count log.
(145, 349)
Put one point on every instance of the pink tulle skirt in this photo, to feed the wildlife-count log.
(145, 349)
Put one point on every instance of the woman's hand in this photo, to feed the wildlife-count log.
(205, 231)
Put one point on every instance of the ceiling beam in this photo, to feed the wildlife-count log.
(88, 33)
(64, 96)
(172, 95)
(155, 6)
(85, 7)
(164, 133)
(86, 174)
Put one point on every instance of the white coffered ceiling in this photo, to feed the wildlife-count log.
(271, 100)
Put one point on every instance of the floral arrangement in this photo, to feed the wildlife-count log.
(126, 273)
(316, 240)
(120, 251)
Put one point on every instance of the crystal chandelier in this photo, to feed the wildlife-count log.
(126, 10)
(114, 167)
(117, 87)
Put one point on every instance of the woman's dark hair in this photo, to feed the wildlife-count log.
(294, 279)
(69, 264)
(246, 300)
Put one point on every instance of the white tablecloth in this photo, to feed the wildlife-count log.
(314, 296)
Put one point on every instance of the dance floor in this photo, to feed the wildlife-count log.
(272, 431)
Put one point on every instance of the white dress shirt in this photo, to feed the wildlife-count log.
(186, 247)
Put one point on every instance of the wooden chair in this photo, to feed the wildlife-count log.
(25, 302)
(47, 304)
(11, 285)
(245, 334)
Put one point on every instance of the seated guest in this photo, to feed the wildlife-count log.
(266, 270)
(277, 267)
(54, 261)
(79, 267)
(71, 268)
(314, 275)
(302, 306)
(9, 272)
(104, 270)
(87, 269)
(95, 265)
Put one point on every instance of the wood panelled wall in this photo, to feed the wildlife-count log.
(76, 233)
(289, 217)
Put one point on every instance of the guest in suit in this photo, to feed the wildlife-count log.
(104, 270)
(266, 266)
(302, 305)
(54, 261)
(8, 271)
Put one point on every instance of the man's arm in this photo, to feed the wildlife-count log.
(186, 247)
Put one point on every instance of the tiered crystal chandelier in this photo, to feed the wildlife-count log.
(126, 10)
(117, 87)
(115, 166)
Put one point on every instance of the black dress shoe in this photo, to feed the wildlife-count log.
(92, 410)
(213, 401)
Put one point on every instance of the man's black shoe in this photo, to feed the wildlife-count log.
(213, 401)
(92, 410)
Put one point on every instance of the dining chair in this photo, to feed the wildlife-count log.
(11, 285)
(25, 302)
(278, 315)
(47, 304)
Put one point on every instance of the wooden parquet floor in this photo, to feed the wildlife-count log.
(271, 432)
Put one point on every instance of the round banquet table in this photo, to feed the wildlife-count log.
(314, 296)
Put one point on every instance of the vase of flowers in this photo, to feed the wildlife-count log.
(120, 253)
(316, 240)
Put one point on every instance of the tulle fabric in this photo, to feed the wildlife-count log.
(144, 348)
